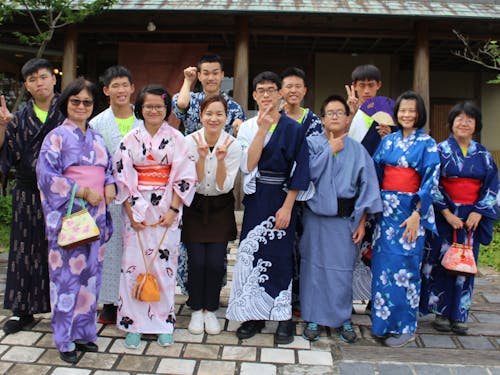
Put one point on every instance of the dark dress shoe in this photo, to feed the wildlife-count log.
(17, 323)
(250, 328)
(284, 332)
(69, 357)
(86, 346)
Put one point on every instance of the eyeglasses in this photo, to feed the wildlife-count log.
(465, 120)
(86, 103)
(269, 90)
(151, 108)
(331, 114)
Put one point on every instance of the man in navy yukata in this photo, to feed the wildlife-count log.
(275, 165)
(21, 136)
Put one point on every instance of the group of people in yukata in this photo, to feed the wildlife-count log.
(317, 194)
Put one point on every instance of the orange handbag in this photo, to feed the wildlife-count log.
(146, 286)
(459, 258)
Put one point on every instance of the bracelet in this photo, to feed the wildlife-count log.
(176, 210)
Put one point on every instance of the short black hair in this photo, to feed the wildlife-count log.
(421, 111)
(34, 65)
(366, 72)
(293, 71)
(213, 99)
(266, 76)
(211, 58)
(74, 88)
(115, 71)
(470, 109)
(152, 90)
(334, 98)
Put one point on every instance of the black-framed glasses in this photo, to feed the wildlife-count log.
(331, 114)
(86, 103)
(268, 90)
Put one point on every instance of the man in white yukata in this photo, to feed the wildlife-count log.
(113, 124)
(347, 191)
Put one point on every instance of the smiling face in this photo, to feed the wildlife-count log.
(153, 110)
(210, 76)
(119, 91)
(335, 118)
(266, 95)
(464, 127)
(407, 114)
(214, 118)
(293, 90)
(40, 84)
(80, 108)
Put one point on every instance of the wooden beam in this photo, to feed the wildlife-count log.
(421, 75)
(70, 56)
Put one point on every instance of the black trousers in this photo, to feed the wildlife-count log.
(205, 274)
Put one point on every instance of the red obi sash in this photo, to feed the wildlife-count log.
(153, 175)
(405, 180)
(462, 190)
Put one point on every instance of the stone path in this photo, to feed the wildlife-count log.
(433, 353)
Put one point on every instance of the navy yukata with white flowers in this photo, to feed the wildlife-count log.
(442, 292)
(396, 262)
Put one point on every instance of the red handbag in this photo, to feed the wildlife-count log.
(459, 258)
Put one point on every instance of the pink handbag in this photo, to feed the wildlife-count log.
(459, 258)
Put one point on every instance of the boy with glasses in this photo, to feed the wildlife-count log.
(347, 190)
(113, 124)
(21, 136)
(275, 167)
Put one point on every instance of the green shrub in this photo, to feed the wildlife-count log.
(5, 210)
(490, 255)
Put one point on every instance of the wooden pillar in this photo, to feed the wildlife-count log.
(395, 87)
(241, 62)
(241, 71)
(421, 76)
(70, 56)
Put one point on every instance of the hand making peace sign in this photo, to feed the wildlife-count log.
(5, 115)
(352, 100)
(202, 145)
(221, 150)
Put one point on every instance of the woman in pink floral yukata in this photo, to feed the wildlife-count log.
(74, 157)
(156, 176)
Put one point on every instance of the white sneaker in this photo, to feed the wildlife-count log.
(197, 323)
(212, 325)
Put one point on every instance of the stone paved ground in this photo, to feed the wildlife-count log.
(433, 353)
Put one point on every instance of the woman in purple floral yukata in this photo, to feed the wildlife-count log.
(74, 157)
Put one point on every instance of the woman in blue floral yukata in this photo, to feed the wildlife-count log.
(407, 164)
(466, 201)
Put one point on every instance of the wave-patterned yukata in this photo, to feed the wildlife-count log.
(396, 262)
(442, 292)
(75, 275)
(105, 124)
(27, 284)
(149, 203)
(262, 276)
(326, 246)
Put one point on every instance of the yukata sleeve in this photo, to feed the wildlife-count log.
(183, 171)
(55, 188)
(10, 152)
(430, 168)
(440, 198)
(126, 178)
(378, 160)
(368, 198)
(487, 204)
(300, 177)
(232, 162)
(181, 114)
(238, 112)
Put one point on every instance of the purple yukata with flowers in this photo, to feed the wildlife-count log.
(75, 275)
